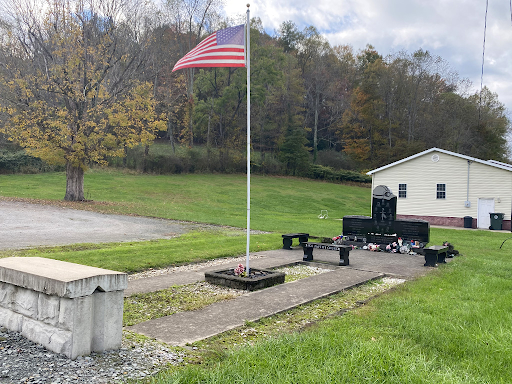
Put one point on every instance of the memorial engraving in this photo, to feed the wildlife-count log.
(383, 227)
(357, 226)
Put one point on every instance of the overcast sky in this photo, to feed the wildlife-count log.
(452, 29)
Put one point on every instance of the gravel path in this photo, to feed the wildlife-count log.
(25, 225)
(22, 361)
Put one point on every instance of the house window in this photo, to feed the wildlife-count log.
(441, 191)
(402, 190)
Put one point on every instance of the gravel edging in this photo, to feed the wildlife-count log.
(23, 361)
(189, 267)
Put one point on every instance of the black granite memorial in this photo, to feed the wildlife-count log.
(383, 227)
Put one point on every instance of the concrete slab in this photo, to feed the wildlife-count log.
(392, 264)
(398, 265)
(60, 278)
(188, 327)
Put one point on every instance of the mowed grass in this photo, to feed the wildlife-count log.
(277, 204)
(280, 205)
(452, 326)
(132, 257)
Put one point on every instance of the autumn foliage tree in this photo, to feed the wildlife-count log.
(68, 78)
(74, 91)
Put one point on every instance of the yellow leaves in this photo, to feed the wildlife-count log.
(57, 134)
(62, 107)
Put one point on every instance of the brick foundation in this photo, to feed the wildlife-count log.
(449, 221)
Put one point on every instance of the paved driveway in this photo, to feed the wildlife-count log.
(24, 225)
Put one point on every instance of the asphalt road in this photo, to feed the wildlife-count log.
(24, 225)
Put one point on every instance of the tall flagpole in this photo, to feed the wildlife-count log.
(248, 58)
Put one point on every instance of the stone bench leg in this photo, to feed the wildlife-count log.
(344, 252)
(441, 257)
(287, 243)
(430, 258)
(308, 254)
(303, 239)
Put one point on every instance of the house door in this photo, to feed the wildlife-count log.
(485, 208)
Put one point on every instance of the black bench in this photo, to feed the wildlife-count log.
(343, 249)
(287, 239)
(435, 254)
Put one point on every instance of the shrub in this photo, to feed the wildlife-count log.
(328, 174)
(161, 160)
(21, 162)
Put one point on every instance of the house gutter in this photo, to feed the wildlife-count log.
(468, 203)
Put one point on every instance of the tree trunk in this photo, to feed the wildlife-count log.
(145, 158)
(74, 183)
(208, 144)
(125, 157)
(190, 122)
(170, 133)
(190, 93)
(315, 129)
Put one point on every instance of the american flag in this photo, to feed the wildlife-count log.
(224, 48)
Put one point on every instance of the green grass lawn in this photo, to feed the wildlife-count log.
(277, 204)
(137, 256)
(452, 326)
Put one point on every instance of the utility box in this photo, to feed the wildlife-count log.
(496, 221)
(468, 222)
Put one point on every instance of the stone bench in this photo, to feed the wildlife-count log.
(344, 251)
(435, 254)
(287, 239)
(68, 308)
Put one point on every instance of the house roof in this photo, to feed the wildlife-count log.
(491, 163)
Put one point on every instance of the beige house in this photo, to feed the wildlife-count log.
(444, 187)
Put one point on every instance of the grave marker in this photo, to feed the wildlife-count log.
(383, 227)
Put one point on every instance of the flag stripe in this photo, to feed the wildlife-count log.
(209, 53)
(212, 63)
(220, 52)
(214, 57)
(236, 52)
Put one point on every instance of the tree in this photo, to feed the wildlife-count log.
(220, 99)
(191, 19)
(364, 123)
(67, 82)
(170, 87)
(289, 36)
(293, 152)
(314, 55)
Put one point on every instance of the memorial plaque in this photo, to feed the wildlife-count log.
(358, 226)
(418, 230)
(377, 238)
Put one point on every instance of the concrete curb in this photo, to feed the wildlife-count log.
(188, 327)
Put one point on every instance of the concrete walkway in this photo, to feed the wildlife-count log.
(188, 327)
